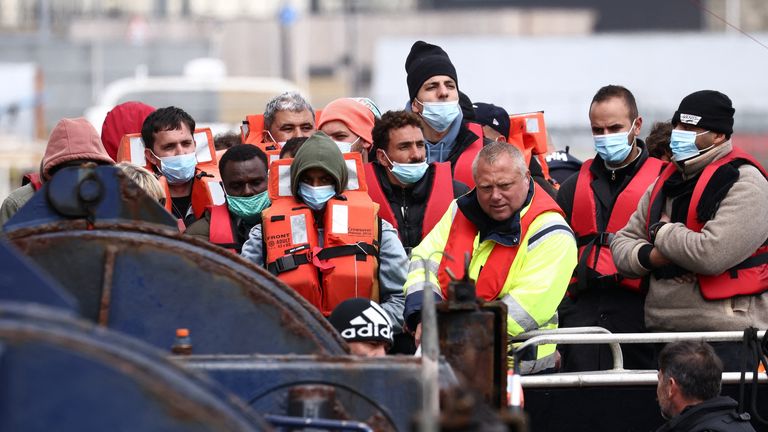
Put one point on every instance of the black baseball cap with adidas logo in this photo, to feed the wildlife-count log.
(362, 320)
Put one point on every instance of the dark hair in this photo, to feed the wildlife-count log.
(611, 91)
(695, 366)
(164, 119)
(241, 153)
(658, 140)
(226, 140)
(389, 121)
(292, 146)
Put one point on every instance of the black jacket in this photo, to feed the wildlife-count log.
(714, 415)
(409, 204)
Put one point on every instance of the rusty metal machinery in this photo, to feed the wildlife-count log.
(116, 258)
(60, 373)
(130, 270)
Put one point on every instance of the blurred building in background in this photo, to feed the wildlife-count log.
(523, 54)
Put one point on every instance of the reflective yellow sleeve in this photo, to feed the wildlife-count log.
(428, 254)
(539, 275)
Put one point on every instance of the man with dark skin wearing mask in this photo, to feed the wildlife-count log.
(243, 170)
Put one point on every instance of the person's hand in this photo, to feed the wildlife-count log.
(657, 259)
(417, 335)
(688, 278)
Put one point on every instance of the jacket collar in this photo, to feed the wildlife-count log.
(693, 166)
(419, 191)
(505, 232)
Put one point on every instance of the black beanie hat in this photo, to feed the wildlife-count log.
(707, 109)
(467, 109)
(425, 61)
(361, 320)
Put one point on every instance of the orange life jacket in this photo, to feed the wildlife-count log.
(746, 278)
(528, 132)
(206, 189)
(221, 230)
(462, 169)
(252, 129)
(438, 203)
(461, 239)
(346, 265)
(594, 244)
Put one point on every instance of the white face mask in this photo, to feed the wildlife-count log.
(280, 144)
(346, 147)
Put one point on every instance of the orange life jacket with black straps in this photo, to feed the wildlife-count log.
(438, 203)
(594, 244)
(462, 169)
(346, 265)
(221, 230)
(493, 275)
(206, 188)
(746, 278)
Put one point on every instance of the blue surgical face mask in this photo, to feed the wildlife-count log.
(248, 208)
(408, 173)
(615, 147)
(439, 115)
(683, 144)
(178, 169)
(316, 196)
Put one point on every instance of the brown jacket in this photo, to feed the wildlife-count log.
(738, 228)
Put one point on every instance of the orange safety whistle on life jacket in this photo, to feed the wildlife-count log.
(749, 277)
(341, 265)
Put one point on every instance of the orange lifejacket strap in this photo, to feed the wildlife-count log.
(377, 195)
(440, 197)
(221, 228)
(494, 273)
(462, 169)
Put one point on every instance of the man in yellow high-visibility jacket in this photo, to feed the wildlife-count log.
(522, 250)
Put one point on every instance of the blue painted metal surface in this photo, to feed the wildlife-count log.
(130, 272)
(101, 193)
(384, 393)
(21, 280)
(58, 373)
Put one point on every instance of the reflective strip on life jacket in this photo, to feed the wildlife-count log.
(746, 278)
(495, 271)
(221, 228)
(462, 169)
(594, 247)
(437, 203)
(346, 266)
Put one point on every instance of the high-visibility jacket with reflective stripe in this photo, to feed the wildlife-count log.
(535, 283)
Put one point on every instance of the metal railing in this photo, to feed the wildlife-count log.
(618, 375)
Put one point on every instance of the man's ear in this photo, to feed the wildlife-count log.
(382, 159)
(415, 107)
(151, 158)
(719, 138)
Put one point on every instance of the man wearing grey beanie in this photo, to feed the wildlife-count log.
(699, 233)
